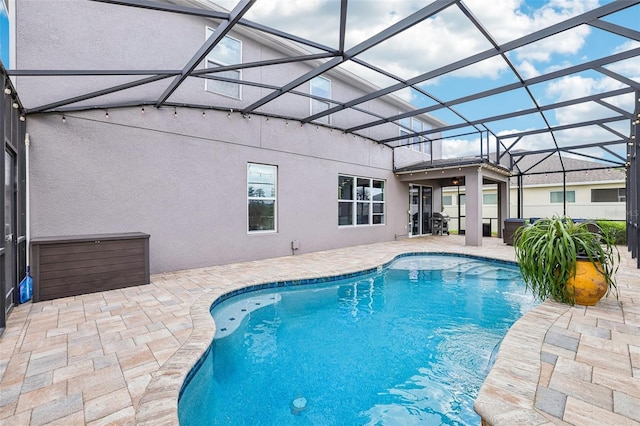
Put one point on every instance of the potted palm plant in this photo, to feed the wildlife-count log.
(566, 261)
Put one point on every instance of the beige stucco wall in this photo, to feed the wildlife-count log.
(537, 203)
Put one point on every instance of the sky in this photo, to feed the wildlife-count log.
(4, 35)
(450, 36)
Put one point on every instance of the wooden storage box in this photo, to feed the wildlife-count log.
(69, 266)
(510, 226)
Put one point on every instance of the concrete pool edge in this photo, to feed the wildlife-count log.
(159, 404)
(508, 393)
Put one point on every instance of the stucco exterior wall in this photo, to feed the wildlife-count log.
(70, 34)
(183, 181)
(537, 202)
(174, 172)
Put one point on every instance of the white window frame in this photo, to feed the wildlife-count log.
(414, 125)
(404, 131)
(327, 118)
(564, 196)
(210, 59)
(273, 198)
(363, 200)
(426, 143)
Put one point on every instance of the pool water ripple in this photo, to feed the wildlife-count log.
(409, 344)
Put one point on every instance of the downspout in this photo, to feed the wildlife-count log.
(28, 200)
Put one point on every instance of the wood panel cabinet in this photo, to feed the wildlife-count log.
(69, 266)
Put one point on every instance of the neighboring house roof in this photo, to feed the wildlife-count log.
(546, 172)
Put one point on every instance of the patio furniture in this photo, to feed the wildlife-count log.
(510, 226)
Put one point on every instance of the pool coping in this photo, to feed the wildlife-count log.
(508, 393)
(159, 404)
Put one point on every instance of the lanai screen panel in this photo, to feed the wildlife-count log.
(534, 77)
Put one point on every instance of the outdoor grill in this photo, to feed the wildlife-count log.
(440, 223)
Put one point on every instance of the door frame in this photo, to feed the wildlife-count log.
(10, 238)
(418, 215)
(13, 131)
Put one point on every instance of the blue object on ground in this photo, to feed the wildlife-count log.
(26, 288)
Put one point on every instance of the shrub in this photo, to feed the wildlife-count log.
(617, 231)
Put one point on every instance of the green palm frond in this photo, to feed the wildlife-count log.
(547, 252)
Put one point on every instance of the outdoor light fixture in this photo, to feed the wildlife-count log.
(7, 91)
(106, 114)
(22, 118)
(175, 112)
(203, 114)
(64, 119)
(142, 110)
(15, 105)
(455, 181)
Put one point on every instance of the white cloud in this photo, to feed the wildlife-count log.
(445, 38)
(450, 36)
(456, 148)
(572, 87)
(631, 67)
(528, 70)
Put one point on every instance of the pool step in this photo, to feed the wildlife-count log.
(229, 317)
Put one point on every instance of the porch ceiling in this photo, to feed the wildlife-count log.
(596, 124)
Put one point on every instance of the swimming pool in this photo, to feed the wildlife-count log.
(406, 344)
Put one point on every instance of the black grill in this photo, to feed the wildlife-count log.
(440, 223)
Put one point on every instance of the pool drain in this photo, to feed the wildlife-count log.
(298, 405)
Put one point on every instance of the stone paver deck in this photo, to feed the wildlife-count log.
(120, 357)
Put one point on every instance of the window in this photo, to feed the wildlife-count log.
(321, 87)
(416, 126)
(556, 196)
(416, 143)
(490, 199)
(360, 201)
(261, 197)
(447, 200)
(609, 195)
(426, 144)
(345, 200)
(227, 52)
(405, 125)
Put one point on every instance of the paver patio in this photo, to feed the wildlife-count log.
(119, 357)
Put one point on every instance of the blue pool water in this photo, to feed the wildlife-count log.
(407, 345)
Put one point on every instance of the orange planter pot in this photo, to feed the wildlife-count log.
(589, 285)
